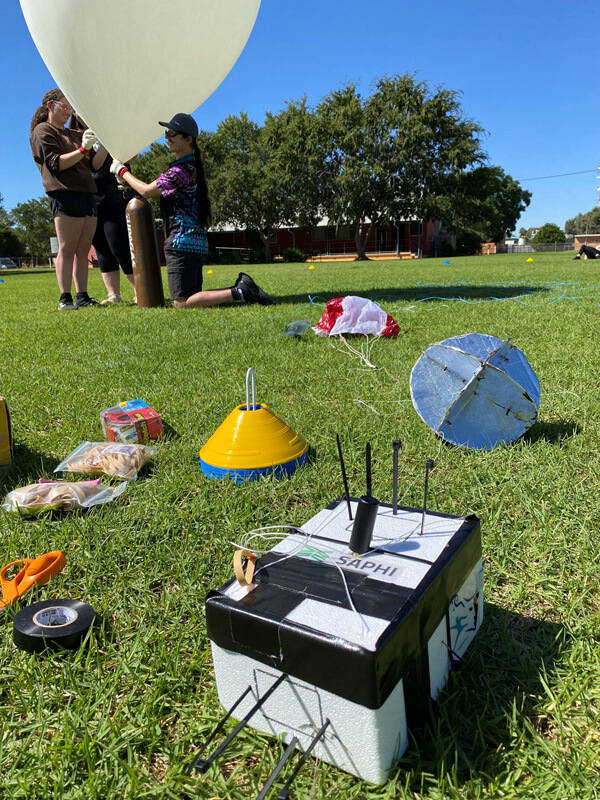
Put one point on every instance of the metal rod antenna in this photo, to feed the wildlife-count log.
(280, 765)
(397, 444)
(202, 764)
(368, 459)
(428, 466)
(344, 476)
(190, 766)
(285, 792)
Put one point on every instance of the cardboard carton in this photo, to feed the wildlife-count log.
(133, 421)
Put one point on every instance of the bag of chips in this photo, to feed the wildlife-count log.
(66, 495)
(108, 458)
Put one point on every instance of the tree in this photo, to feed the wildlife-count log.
(389, 157)
(4, 215)
(292, 135)
(484, 204)
(588, 222)
(10, 244)
(245, 179)
(34, 225)
(548, 234)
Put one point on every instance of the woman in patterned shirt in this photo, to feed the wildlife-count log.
(185, 209)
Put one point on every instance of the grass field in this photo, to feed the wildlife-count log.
(118, 717)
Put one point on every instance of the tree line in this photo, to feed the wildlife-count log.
(403, 152)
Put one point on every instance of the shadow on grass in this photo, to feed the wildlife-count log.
(553, 432)
(171, 435)
(429, 293)
(500, 678)
(27, 463)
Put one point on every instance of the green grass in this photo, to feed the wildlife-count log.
(118, 717)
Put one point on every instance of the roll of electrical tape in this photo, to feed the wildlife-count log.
(52, 624)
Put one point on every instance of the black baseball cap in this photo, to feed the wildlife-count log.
(182, 123)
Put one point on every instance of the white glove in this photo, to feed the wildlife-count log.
(116, 167)
(89, 139)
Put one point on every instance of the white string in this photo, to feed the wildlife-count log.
(277, 533)
(564, 391)
(348, 595)
(363, 354)
(380, 413)
(256, 533)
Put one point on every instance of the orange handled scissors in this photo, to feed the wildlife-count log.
(36, 572)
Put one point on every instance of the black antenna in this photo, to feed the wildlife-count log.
(368, 460)
(397, 444)
(428, 466)
(344, 477)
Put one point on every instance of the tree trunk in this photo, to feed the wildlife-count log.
(264, 235)
(361, 241)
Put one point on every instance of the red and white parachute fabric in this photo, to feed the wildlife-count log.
(355, 315)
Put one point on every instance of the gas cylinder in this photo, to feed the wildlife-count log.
(144, 253)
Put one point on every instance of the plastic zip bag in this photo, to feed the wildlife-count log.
(114, 459)
(48, 495)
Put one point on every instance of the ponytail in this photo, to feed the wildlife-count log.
(41, 113)
(201, 188)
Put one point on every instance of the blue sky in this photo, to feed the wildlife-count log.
(527, 71)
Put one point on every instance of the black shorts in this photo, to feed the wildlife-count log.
(72, 204)
(184, 273)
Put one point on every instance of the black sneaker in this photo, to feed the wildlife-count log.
(82, 300)
(66, 303)
(251, 291)
(577, 258)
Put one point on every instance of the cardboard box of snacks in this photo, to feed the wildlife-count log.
(133, 421)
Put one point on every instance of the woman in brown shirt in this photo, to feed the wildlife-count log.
(62, 156)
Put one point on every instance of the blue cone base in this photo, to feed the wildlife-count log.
(243, 475)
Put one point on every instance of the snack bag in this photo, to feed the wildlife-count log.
(117, 460)
(48, 495)
(132, 421)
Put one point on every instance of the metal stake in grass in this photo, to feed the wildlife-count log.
(428, 466)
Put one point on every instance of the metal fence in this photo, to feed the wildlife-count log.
(32, 261)
(555, 247)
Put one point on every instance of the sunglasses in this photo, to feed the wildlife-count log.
(172, 134)
(64, 106)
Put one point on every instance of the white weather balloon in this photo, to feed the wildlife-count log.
(125, 64)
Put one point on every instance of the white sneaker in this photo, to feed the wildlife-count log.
(112, 298)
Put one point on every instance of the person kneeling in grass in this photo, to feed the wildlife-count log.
(185, 208)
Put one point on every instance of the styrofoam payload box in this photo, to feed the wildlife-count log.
(371, 665)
